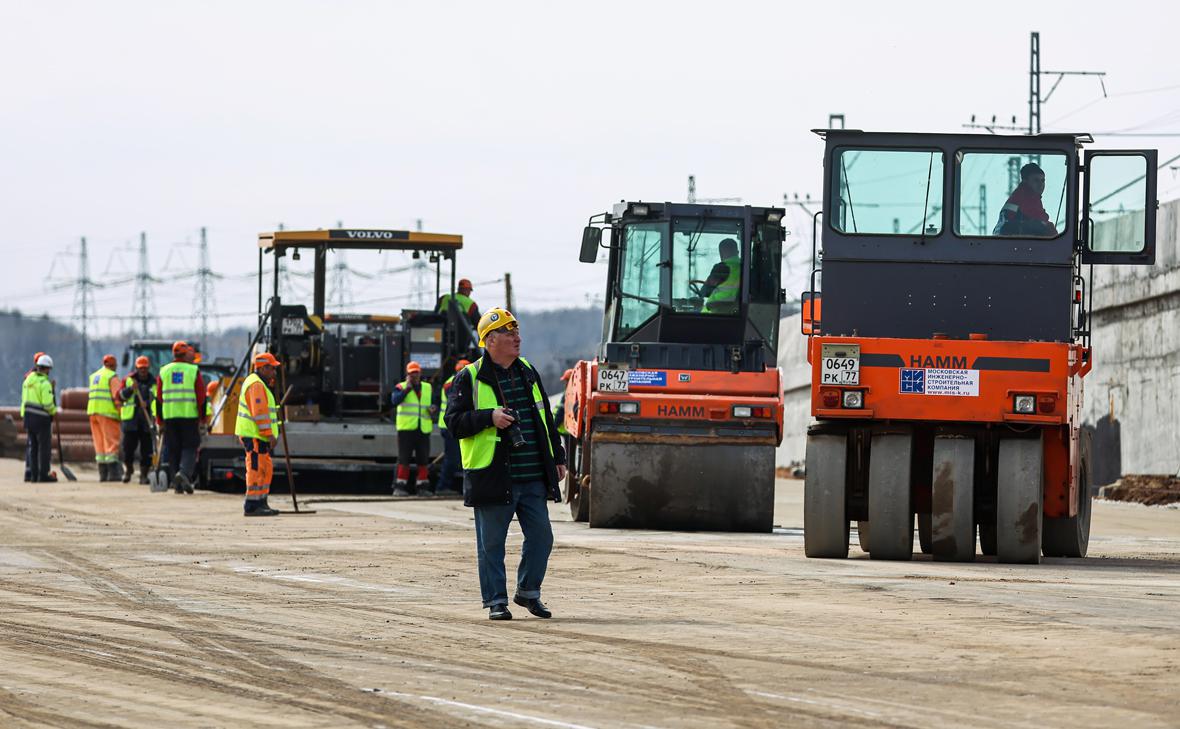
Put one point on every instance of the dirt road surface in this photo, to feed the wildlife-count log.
(124, 608)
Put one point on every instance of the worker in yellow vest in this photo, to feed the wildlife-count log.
(513, 460)
(257, 426)
(38, 409)
(103, 408)
(138, 414)
(450, 478)
(724, 284)
(415, 412)
(181, 411)
(559, 410)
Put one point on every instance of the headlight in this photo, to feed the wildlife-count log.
(742, 411)
(640, 210)
(774, 216)
(854, 399)
(1025, 404)
(628, 408)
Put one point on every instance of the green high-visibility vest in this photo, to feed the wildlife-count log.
(465, 303)
(132, 405)
(478, 450)
(442, 406)
(36, 395)
(560, 423)
(101, 402)
(247, 425)
(414, 413)
(727, 291)
(179, 390)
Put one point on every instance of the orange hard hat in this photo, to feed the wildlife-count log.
(212, 387)
(413, 367)
(196, 358)
(142, 361)
(179, 348)
(461, 364)
(465, 283)
(265, 358)
(109, 360)
(38, 356)
(567, 374)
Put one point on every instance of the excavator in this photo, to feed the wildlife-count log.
(955, 275)
(674, 424)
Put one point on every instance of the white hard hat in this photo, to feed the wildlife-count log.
(45, 361)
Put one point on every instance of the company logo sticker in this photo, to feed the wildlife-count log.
(913, 381)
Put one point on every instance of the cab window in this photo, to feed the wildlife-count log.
(888, 192)
(706, 265)
(1118, 193)
(639, 275)
(1011, 194)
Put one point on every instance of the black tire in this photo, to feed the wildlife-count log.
(890, 509)
(825, 514)
(575, 495)
(1070, 536)
(1019, 511)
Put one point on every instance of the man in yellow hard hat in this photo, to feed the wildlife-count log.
(138, 397)
(257, 426)
(103, 409)
(513, 461)
(412, 401)
(450, 478)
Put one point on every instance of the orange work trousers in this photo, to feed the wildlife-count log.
(259, 468)
(105, 432)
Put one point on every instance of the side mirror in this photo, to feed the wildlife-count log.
(591, 239)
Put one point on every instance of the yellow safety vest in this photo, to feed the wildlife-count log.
(132, 405)
(442, 406)
(179, 391)
(246, 425)
(464, 302)
(413, 414)
(727, 291)
(101, 402)
(36, 395)
(478, 450)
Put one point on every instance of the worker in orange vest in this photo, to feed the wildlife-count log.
(257, 427)
(103, 408)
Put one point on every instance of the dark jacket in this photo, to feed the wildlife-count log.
(493, 485)
(130, 385)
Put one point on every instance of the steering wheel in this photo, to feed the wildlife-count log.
(694, 285)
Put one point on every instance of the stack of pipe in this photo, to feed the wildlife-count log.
(74, 423)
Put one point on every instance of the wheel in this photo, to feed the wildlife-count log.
(890, 512)
(925, 539)
(952, 518)
(825, 522)
(987, 539)
(576, 485)
(1018, 501)
(1070, 536)
(862, 535)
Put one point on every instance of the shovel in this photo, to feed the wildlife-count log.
(287, 456)
(157, 479)
(61, 455)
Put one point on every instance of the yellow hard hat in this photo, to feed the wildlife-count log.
(492, 320)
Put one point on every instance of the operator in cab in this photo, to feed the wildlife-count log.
(1024, 214)
(721, 289)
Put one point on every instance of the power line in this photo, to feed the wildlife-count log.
(144, 304)
(84, 303)
(206, 303)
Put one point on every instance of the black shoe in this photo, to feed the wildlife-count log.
(181, 483)
(426, 492)
(499, 612)
(401, 490)
(143, 476)
(534, 606)
(104, 473)
(447, 492)
(261, 511)
(127, 471)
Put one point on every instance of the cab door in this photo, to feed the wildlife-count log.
(1119, 207)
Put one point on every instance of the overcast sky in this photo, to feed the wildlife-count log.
(509, 123)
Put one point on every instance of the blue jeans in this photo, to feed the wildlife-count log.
(530, 504)
(450, 478)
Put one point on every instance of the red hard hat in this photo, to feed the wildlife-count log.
(142, 361)
(179, 348)
(465, 283)
(109, 360)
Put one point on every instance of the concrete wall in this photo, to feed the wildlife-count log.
(1131, 393)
